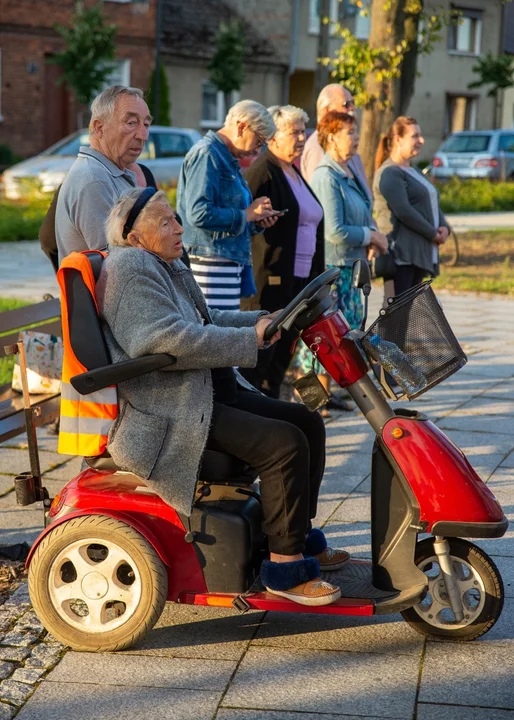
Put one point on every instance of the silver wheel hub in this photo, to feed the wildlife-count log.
(435, 608)
(94, 585)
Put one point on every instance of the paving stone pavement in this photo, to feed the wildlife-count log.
(211, 664)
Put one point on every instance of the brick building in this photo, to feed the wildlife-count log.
(36, 112)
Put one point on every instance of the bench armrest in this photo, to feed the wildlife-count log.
(102, 377)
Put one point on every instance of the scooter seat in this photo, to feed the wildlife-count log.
(216, 466)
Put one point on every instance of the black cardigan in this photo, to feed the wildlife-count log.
(274, 250)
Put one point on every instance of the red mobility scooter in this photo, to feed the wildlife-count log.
(113, 552)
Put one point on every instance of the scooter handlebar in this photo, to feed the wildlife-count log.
(300, 302)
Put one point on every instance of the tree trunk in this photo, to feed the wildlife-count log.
(390, 24)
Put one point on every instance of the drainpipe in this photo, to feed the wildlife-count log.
(293, 52)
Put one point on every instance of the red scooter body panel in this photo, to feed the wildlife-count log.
(442, 479)
(341, 358)
(100, 492)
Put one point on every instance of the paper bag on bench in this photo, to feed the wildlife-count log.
(44, 363)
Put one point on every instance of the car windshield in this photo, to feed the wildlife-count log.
(69, 146)
(467, 143)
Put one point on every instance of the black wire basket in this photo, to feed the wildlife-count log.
(414, 321)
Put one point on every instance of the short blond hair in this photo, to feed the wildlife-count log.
(120, 211)
(286, 115)
(104, 104)
(255, 115)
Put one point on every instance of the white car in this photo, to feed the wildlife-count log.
(163, 155)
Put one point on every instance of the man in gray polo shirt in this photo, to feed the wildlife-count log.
(118, 130)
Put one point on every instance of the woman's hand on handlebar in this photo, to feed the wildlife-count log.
(379, 241)
(260, 327)
(260, 209)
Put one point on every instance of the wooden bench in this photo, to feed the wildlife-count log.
(45, 317)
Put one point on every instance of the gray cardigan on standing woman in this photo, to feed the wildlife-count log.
(403, 212)
(150, 306)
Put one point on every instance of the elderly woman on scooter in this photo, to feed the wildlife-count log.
(149, 303)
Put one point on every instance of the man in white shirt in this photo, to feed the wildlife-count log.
(332, 97)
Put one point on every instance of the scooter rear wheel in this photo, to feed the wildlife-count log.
(480, 586)
(96, 584)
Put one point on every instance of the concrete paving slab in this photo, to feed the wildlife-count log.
(506, 567)
(63, 701)
(454, 712)
(356, 507)
(6, 484)
(476, 445)
(502, 478)
(137, 671)
(343, 464)
(499, 547)
(352, 536)
(325, 682)
(19, 524)
(198, 632)
(387, 634)
(508, 462)
(65, 472)
(482, 676)
(239, 714)
(46, 440)
(484, 405)
(12, 461)
(500, 424)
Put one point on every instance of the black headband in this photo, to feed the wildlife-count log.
(145, 196)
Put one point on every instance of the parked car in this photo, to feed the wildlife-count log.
(163, 154)
(476, 154)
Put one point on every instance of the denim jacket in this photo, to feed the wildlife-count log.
(212, 197)
(347, 209)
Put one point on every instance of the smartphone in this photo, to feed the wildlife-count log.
(278, 212)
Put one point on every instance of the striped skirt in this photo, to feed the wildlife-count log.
(220, 281)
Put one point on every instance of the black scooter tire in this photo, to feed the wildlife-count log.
(493, 585)
(93, 530)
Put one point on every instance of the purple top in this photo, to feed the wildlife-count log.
(308, 221)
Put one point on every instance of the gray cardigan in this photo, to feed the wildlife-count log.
(403, 212)
(149, 306)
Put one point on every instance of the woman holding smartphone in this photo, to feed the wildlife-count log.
(289, 254)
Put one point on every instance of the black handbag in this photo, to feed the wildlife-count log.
(384, 266)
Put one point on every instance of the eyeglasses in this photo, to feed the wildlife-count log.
(349, 103)
(260, 140)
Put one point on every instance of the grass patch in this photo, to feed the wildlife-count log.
(7, 363)
(462, 196)
(22, 220)
(486, 264)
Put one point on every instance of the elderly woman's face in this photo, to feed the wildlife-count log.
(159, 232)
(345, 142)
(288, 143)
(246, 141)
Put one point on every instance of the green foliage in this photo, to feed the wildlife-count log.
(227, 65)
(89, 49)
(171, 194)
(164, 110)
(22, 220)
(7, 156)
(355, 59)
(495, 70)
(458, 196)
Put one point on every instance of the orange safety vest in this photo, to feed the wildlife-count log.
(85, 419)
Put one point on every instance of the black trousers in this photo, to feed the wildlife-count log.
(407, 277)
(273, 362)
(285, 443)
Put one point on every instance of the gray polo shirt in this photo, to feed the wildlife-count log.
(88, 192)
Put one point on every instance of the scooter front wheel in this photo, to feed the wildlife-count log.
(479, 584)
(97, 584)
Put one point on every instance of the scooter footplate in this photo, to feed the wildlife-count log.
(355, 581)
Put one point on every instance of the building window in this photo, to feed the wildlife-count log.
(119, 75)
(213, 105)
(363, 22)
(314, 19)
(461, 113)
(465, 31)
